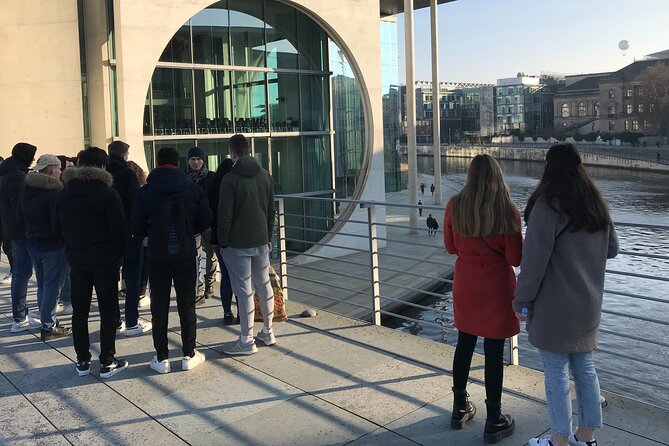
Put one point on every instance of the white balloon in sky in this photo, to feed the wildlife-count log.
(623, 45)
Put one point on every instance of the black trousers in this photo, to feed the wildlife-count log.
(105, 281)
(183, 273)
(494, 364)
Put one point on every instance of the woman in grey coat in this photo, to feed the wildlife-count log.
(559, 291)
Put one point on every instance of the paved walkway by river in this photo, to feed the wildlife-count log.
(330, 380)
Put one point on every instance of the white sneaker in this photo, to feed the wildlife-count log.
(267, 338)
(189, 363)
(34, 318)
(144, 301)
(574, 441)
(120, 328)
(160, 366)
(141, 328)
(7, 279)
(239, 348)
(25, 324)
(65, 309)
(543, 441)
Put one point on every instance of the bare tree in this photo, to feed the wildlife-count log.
(654, 100)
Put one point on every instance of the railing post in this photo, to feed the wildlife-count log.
(374, 263)
(283, 265)
(513, 350)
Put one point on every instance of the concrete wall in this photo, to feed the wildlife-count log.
(40, 76)
(539, 155)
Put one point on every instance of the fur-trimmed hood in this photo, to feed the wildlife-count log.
(87, 174)
(43, 181)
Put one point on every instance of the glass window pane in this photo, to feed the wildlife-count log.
(312, 43)
(172, 101)
(287, 176)
(281, 35)
(284, 97)
(114, 100)
(249, 102)
(215, 151)
(178, 49)
(210, 35)
(213, 101)
(148, 128)
(260, 151)
(317, 170)
(247, 33)
(181, 146)
(315, 107)
(148, 153)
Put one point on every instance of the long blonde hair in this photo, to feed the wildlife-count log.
(484, 206)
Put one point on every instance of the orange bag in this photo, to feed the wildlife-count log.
(279, 304)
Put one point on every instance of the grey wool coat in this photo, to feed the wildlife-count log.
(561, 281)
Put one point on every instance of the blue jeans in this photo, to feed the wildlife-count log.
(50, 269)
(556, 376)
(23, 269)
(226, 287)
(66, 293)
(132, 268)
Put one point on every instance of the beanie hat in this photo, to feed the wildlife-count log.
(24, 152)
(195, 152)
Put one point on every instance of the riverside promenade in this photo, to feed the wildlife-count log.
(329, 380)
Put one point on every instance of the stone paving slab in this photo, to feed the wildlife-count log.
(330, 380)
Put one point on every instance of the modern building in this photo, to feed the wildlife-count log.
(158, 73)
(524, 104)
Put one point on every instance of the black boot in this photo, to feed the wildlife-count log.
(463, 410)
(497, 426)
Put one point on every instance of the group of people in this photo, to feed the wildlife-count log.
(79, 226)
(558, 293)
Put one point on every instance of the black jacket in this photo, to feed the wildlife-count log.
(37, 208)
(246, 206)
(91, 219)
(125, 183)
(12, 173)
(214, 194)
(161, 183)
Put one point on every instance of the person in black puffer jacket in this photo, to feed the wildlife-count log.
(12, 174)
(170, 210)
(92, 223)
(127, 186)
(37, 211)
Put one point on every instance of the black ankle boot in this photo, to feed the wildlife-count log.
(497, 426)
(463, 410)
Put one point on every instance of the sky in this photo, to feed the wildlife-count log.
(485, 40)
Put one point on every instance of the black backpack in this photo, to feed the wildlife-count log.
(170, 230)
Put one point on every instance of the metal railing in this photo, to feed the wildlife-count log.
(381, 270)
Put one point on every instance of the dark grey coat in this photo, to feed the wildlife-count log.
(561, 281)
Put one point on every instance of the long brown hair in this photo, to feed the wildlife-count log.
(568, 188)
(484, 206)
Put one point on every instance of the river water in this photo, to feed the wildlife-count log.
(633, 197)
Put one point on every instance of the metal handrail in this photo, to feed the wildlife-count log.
(412, 284)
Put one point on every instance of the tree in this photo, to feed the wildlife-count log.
(654, 98)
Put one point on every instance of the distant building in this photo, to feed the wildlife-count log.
(466, 110)
(524, 104)
(577, 106)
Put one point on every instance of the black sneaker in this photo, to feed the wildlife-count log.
(83, 368)
(55, 333)
(228, 318)
(118, 365)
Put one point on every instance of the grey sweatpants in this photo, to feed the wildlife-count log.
(249, 270)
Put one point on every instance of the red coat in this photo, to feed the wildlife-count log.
(484, 283)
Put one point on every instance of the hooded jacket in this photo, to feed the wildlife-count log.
(246, 206)
(12, 173)
(91, 219)
(37, 210)
(125, 183)
(162, 183)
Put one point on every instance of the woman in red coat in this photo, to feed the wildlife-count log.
(482, 226)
